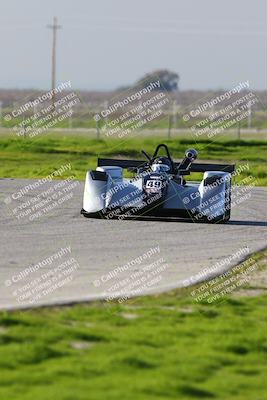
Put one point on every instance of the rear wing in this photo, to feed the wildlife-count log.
(195, 167)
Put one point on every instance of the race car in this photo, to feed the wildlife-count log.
(158, 189)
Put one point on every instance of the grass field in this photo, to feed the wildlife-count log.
(33, 158)
(159, 347)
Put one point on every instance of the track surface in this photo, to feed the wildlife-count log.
(101, 246)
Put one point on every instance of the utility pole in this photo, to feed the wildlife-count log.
(54, 27)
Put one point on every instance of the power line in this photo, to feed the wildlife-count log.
(54, 27)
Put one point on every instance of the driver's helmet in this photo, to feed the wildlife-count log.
(161, 164)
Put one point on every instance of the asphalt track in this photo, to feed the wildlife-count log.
(112, 258)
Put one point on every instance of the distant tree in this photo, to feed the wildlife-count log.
(123, 88)
(167, 78)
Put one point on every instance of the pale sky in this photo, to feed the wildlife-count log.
(110, 43)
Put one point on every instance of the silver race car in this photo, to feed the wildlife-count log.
(158, 189)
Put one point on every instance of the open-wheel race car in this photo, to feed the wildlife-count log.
(159, 189)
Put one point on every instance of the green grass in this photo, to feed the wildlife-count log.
(169, 349)
(32, 158)
(160, 347)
